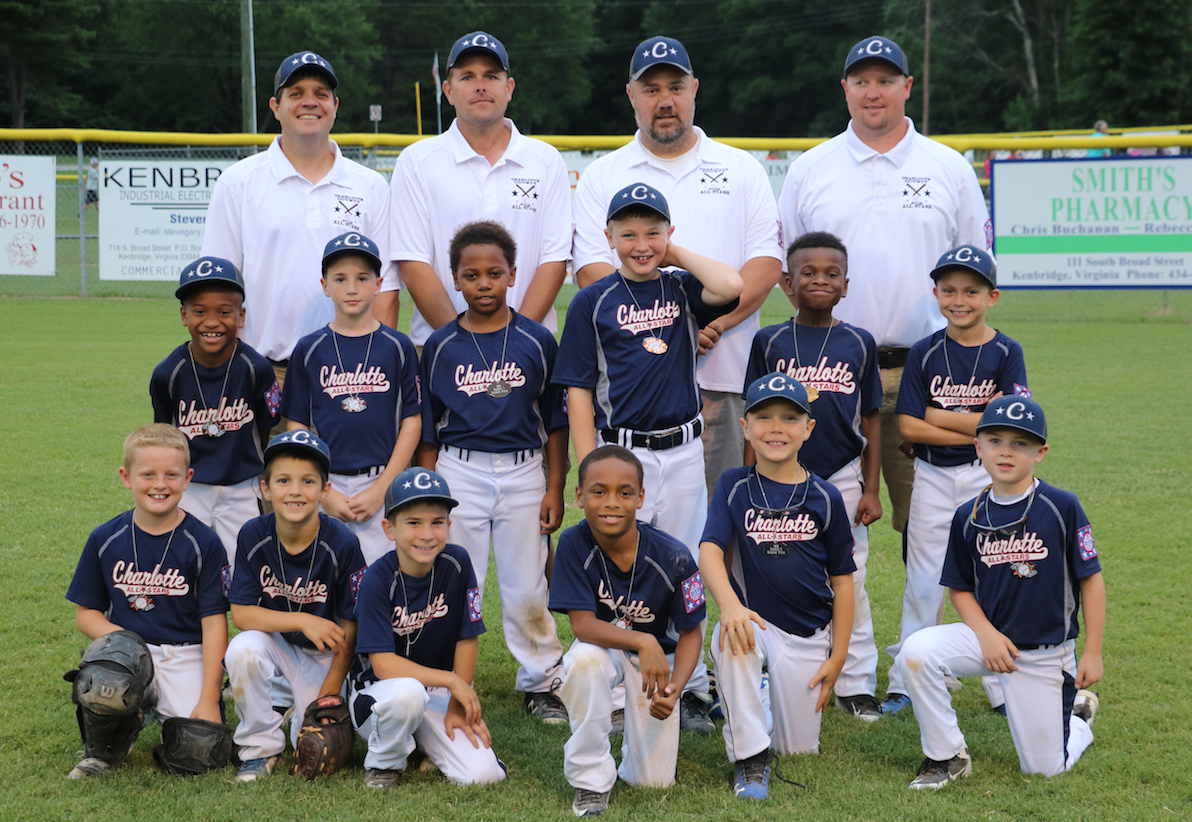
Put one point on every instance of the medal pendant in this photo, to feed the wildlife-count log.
(812, 393)
(213, 429)
(354, 405)
(777, 549)
(622, 622)
(499, 389)
(139, 602)
(655, 345)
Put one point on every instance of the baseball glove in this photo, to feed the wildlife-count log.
(325, 741)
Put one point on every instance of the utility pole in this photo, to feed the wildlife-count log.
(248, 70)
(927, 72)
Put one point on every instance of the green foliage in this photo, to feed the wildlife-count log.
(41, 44)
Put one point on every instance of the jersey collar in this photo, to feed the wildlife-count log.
(640, 156)
(283, 169)
(897, 155)
(462, 152)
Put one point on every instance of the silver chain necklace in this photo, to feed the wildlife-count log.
(812, 393)
(976, 360)
(281, 564)
(144, 602)
(653, 343)
(353, 403)
(401, 577)
(213, 428)
(624, 620)
(498, 389)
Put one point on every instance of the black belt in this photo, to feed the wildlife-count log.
(1037, 647)
(654, 442)
(888, 357)
(361, 472)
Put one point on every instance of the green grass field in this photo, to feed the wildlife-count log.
(1111, 368)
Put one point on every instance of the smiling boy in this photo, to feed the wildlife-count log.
(222, 395)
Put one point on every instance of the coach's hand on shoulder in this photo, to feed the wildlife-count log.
(326, 634)
(736, 627)
(336, 504)
(998, 650)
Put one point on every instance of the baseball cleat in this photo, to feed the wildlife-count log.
(381, 778)
(1085, 705)
(895, 703)
(936, 774)
(863, 706)
(751, 777)
(255, 769)
(547, 707)
(952, 683)
(589, 803)
(89, 767)
(618, 720)
(693, 715)
(1000, 710)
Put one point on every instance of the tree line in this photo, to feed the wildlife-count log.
(768, 67)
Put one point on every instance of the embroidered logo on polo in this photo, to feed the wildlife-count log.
(141, 586)
(714, 180)
(635, 610)
(838, 379)
(296, 592)
(338, 383)
(525, 193)
(636, 320)
(194, 420)
(966, 396)
(916, 192)
(762, 528)
(472, 381)
(348, 211)
(405, 622)
(1024, 548)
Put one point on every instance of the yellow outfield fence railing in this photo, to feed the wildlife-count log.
(78, 260)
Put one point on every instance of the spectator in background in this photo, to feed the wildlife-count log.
(1100, 129)
(92, 185)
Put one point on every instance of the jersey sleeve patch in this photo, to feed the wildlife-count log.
(1084, 538)
(1022, 391)
(225, 580)
(273, 398)
(474, 604)
(693, 592)
(355, 581)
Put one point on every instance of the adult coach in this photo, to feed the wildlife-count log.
(898, 200)
(482, 168)
(721, 206)
(272, 214)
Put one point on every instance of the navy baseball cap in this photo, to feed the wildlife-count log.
(299, 60)
(209, 270)
(777, 386)
(478, 41)
(416, 485)
(351, 243)
(1018, 411)
(876, 48)
(659, 51)
(300, 442)
(967, 258)
(639, 194)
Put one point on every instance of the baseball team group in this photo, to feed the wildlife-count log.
(338, 486)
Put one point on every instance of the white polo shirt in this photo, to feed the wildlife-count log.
(442, 183)
(274, 223)
(721, 206)
(897, 213)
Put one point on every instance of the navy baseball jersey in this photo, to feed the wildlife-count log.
(354, 397)
(784, 542)
(225, 414)
(159, 587)
(1026, 577)
(661, 594)
(323, 579)
(840, 363)
(419, 618)
(941, 373)
(614, 325)
(457, 370)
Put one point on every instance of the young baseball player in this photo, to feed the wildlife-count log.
(490, 419)
(636, 601)
(355, 384)
(949, 378)
(293, 598)
(152, 576)
(222, 395)
(628, 359)
(776, 554)
(837, 363)
(1021, 562)
(420, 623)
